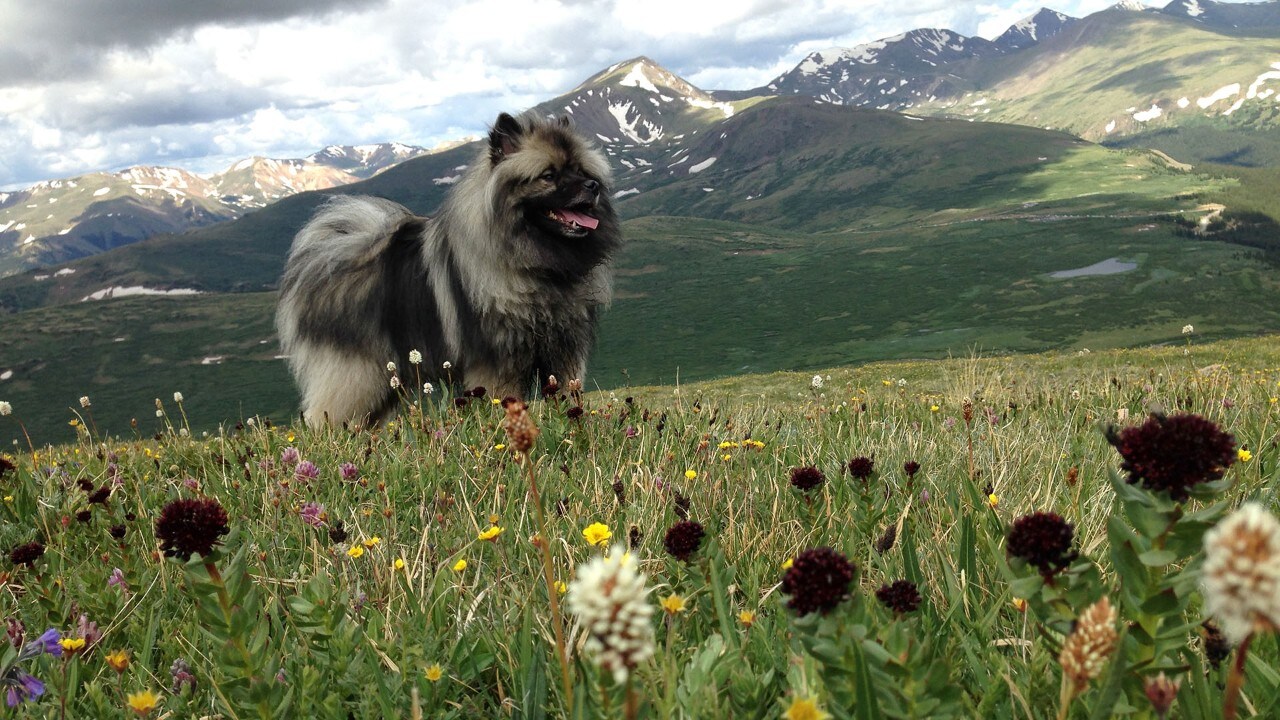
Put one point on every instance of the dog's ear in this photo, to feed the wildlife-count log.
(563, 121)
(504, 138)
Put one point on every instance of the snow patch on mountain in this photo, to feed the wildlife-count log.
(1150, 114)
(1219, 95)
(133, 290)
(702, 165)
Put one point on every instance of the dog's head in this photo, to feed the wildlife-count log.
(556, 185)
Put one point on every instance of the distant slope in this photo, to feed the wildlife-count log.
(61, 220)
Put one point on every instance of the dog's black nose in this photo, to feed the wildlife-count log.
(590, 185)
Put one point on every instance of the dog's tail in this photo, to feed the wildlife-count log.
(348, 232)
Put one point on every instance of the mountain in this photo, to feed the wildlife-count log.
(1027, 32)
(1196, 78)
(61, 220)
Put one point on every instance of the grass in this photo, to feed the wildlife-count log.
(291, 619)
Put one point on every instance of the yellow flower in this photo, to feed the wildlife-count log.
(753, 443)
(71, 644)
(8, 498)
(804, 709)
(727, 445)
(886, 383)
(691, 474)
(561, 588)
(726, 457)
(786, 564)
(1019, 604)
(934, 408)
(491, 534)
(499, 447)
(356, 551)
(118, 660)
(144, 702)
(496, 401)
(746, 617)
(434, 673)
(597, 534)
(460, 565)
(291, 437)
(372, 542)
(73, 422)
(673, 604)
(992, 501)
(494, 518)
(1244, 455)
(398, 564)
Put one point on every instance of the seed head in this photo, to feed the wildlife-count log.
(611, 602)
(1241, 572)
(519, 426)
(861, 467)
(1087, 649)
(26, 554)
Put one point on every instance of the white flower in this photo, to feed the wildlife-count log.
(428, 388)
(182, 432)
(5, 408)
(902, 382)
(159, 413)
(250, 422)
(1241, 572)
(395, 382)
(446, 365)
(611, 602)
(84, 401)
(391, 367)
(1187, 329)
(177, 397)
(415, 357)
(816, 382)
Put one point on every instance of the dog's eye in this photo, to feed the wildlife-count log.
(549, 175)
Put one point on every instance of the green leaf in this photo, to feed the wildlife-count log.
(1158, 558)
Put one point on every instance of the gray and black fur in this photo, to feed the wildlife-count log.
(501, 283)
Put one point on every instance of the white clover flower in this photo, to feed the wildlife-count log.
(816, 382)
(84, 401)
(611, 602)
(428, 388)
(415, 357)
(177, 397)
(902, 382)
(446, 365)
(395, 382)
(391, 367)
(5, 408)
(1241, 572)
(1187, 329)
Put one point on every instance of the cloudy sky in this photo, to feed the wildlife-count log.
(90, 85)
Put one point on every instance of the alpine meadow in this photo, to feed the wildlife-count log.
(941, 380)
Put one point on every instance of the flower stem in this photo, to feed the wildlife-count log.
(557, 622)
(1235, 680)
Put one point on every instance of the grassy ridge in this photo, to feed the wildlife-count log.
(352, 632)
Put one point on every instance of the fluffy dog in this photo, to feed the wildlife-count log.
(504, 283)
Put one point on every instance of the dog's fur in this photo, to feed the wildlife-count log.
(494, 284)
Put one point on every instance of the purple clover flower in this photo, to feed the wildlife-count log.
(290, 456)
(349, 471)
(306, 471)
(312, 514)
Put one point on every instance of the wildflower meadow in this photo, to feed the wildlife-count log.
(1075, 535)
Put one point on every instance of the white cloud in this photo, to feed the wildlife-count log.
(86, 86)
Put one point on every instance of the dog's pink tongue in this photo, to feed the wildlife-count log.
(585, 221)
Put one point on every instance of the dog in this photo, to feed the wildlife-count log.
(503, 286)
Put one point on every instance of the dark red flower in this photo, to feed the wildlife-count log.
(574, 412)
(861, 467)
(807, 478)
(6, 467)
(1174, 453)
(187, 527)
(683, 539)
(26, 554)
(817, 581)
(1043, 540)
(902, 596)
(911, 467)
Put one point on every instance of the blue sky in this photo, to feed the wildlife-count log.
(87, 85)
